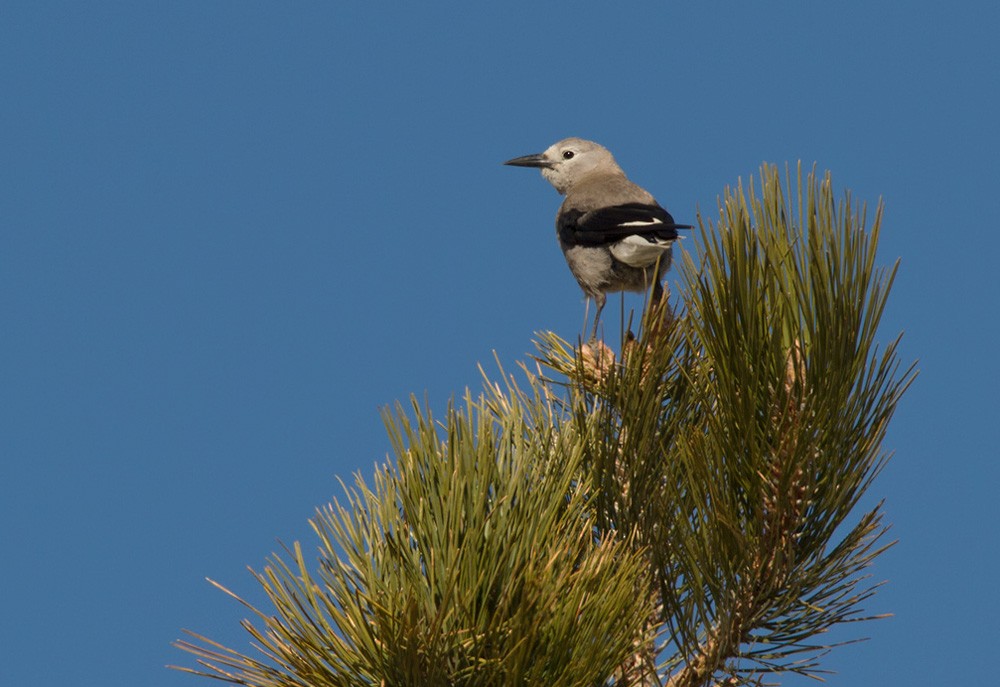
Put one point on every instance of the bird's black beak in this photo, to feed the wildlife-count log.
(536, 160)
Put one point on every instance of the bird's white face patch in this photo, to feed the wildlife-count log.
(637, 251)
(571, 159)
(556, 177)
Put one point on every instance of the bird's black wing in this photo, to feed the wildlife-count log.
(612, 224)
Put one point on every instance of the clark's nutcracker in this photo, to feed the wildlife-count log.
(614, 234)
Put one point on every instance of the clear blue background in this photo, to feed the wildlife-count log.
(230, 232)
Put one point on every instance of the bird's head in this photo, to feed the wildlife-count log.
(566, 162)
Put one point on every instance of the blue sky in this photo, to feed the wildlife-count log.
(230, 232)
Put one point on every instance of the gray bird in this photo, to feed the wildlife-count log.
(614, 234)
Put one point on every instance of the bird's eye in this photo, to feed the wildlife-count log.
(568, 154)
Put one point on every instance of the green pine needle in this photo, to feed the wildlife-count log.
(680, 512)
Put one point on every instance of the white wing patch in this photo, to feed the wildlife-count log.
(642, 223)
(637, 251)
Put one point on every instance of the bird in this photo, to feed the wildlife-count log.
(613, 233)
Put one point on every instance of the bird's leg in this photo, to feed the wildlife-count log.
(599, 300)
(658, 315)
(657, 292)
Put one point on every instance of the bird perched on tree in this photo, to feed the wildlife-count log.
(614, 234)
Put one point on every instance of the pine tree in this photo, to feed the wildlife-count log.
(678, 513)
